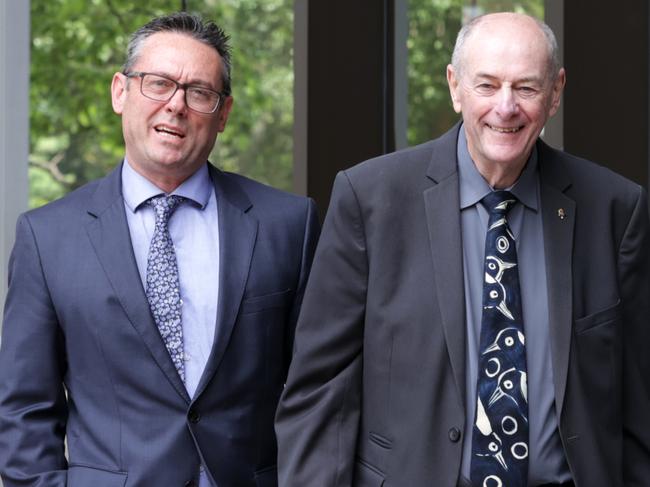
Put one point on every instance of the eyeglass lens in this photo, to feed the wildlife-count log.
(162, 89)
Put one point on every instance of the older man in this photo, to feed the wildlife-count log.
(477, 313)
(150, 314)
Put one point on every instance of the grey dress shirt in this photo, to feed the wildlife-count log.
(547, 461)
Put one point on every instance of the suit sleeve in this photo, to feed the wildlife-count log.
(33, 407)
(310, 238)
(634, 282)
(317, 420)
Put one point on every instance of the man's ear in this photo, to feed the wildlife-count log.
(454, 87)
(556, 95)
(118, 92)
(224, 112)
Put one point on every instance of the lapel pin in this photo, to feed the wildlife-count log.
(561, 213)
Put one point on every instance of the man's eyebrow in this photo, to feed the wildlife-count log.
(530, 79)
(192, 82)
(485, 76)
(201, 83)
(526, 79)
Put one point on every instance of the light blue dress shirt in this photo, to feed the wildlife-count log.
(547, 461)
(194, 230)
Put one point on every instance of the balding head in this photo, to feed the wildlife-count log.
(497, 21)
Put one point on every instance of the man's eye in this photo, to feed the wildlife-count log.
(485, 88)
(200, 94)
(159, 84)
(527, 90)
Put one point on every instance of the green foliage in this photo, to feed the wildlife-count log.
(259, 138)
(433, 25)
(530, 7)
(77, 46)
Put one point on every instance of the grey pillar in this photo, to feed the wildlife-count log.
(14, 123)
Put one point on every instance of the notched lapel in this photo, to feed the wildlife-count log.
(442, 206)
(558, 220)
(110, 237)
(237, 235)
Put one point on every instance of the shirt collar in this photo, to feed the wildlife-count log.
(473, 187)
(137, 189)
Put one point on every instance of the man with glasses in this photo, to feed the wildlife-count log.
(150, 315)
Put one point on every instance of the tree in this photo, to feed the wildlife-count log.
(259, 138)
(433, 25)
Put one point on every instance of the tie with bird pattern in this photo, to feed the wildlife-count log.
(500, 432)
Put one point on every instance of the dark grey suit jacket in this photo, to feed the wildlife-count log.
(81, 356)
(376, 390)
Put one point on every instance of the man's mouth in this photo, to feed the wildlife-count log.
(505, 130)
(173, 131)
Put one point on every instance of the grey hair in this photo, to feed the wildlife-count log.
(206, 32)
(468, 29)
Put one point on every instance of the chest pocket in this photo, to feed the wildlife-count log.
(257, 304)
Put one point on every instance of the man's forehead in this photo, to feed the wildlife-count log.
(506, 28)
(503, 47)
(174, 53)
(168, 40)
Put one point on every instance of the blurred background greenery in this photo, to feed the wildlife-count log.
(77, 45)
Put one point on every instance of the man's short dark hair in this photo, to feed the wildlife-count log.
(191, 25)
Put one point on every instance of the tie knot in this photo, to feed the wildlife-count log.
(498, 202)
(164, 205)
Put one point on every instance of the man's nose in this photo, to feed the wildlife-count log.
(176, 103)
(507, 104)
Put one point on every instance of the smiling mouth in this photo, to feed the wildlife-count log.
(169, 131)
(505, 130)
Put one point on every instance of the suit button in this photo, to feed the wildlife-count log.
(190, 483)
(454, 434)
(194, 417)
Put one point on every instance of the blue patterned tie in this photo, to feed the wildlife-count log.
(500, 433)
(163, 289)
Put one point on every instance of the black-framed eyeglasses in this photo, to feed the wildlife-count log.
(161, 88)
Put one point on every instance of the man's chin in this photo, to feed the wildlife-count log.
(509, 155)
(168, 159)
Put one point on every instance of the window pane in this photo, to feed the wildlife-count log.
(77, 45)
(433, 25)
(258, 141)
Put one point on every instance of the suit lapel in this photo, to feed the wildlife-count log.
(558, 220)
(110, 237)
(237, 233)
(442, 205)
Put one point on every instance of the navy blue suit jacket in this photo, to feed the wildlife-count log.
(82, 359)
